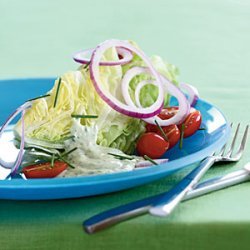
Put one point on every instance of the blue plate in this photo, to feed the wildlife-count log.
(195, 148)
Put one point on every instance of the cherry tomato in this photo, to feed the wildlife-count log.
(151, 128)
(172, 132)
(165, 114)
(191, 123)
(168, 112)
(44, 170)
(152, 145)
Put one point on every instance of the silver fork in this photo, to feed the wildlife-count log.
(140, 207)
(167, 203)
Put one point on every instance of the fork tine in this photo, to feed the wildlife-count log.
(243, 143)
(221, 152)
(244, 139)
(230, 151)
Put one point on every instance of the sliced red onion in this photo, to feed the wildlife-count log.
(193, 94)
(19, 110)
(82, 57)
(112, 101)
(21, 150)
(184, 106)
(143, 164)
(170, 88)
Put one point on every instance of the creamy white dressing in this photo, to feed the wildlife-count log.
(90, 158)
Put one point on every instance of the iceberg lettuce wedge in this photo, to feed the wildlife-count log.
(49, 126)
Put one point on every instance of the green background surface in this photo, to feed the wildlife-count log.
(207, 40)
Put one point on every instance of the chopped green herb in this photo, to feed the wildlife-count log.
(147, 158)
(68, 138)
(57, 91)
(64, 160)
(52, 160)
(87, 66)
(162, 132)
(122, 157)
(39, 97)
(84, 116)
(67, 153)
(202, 129)
(182, 135)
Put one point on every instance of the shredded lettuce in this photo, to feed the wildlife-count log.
(50, 126)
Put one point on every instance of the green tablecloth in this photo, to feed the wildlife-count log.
(208, 40)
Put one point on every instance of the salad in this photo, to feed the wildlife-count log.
(111, 114)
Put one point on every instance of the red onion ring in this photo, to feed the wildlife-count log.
(120, 107)
(20, 109)
(127, 56)
(184, 106)
(193, 94)
(21, 150)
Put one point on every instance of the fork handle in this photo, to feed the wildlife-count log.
(167, 203)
